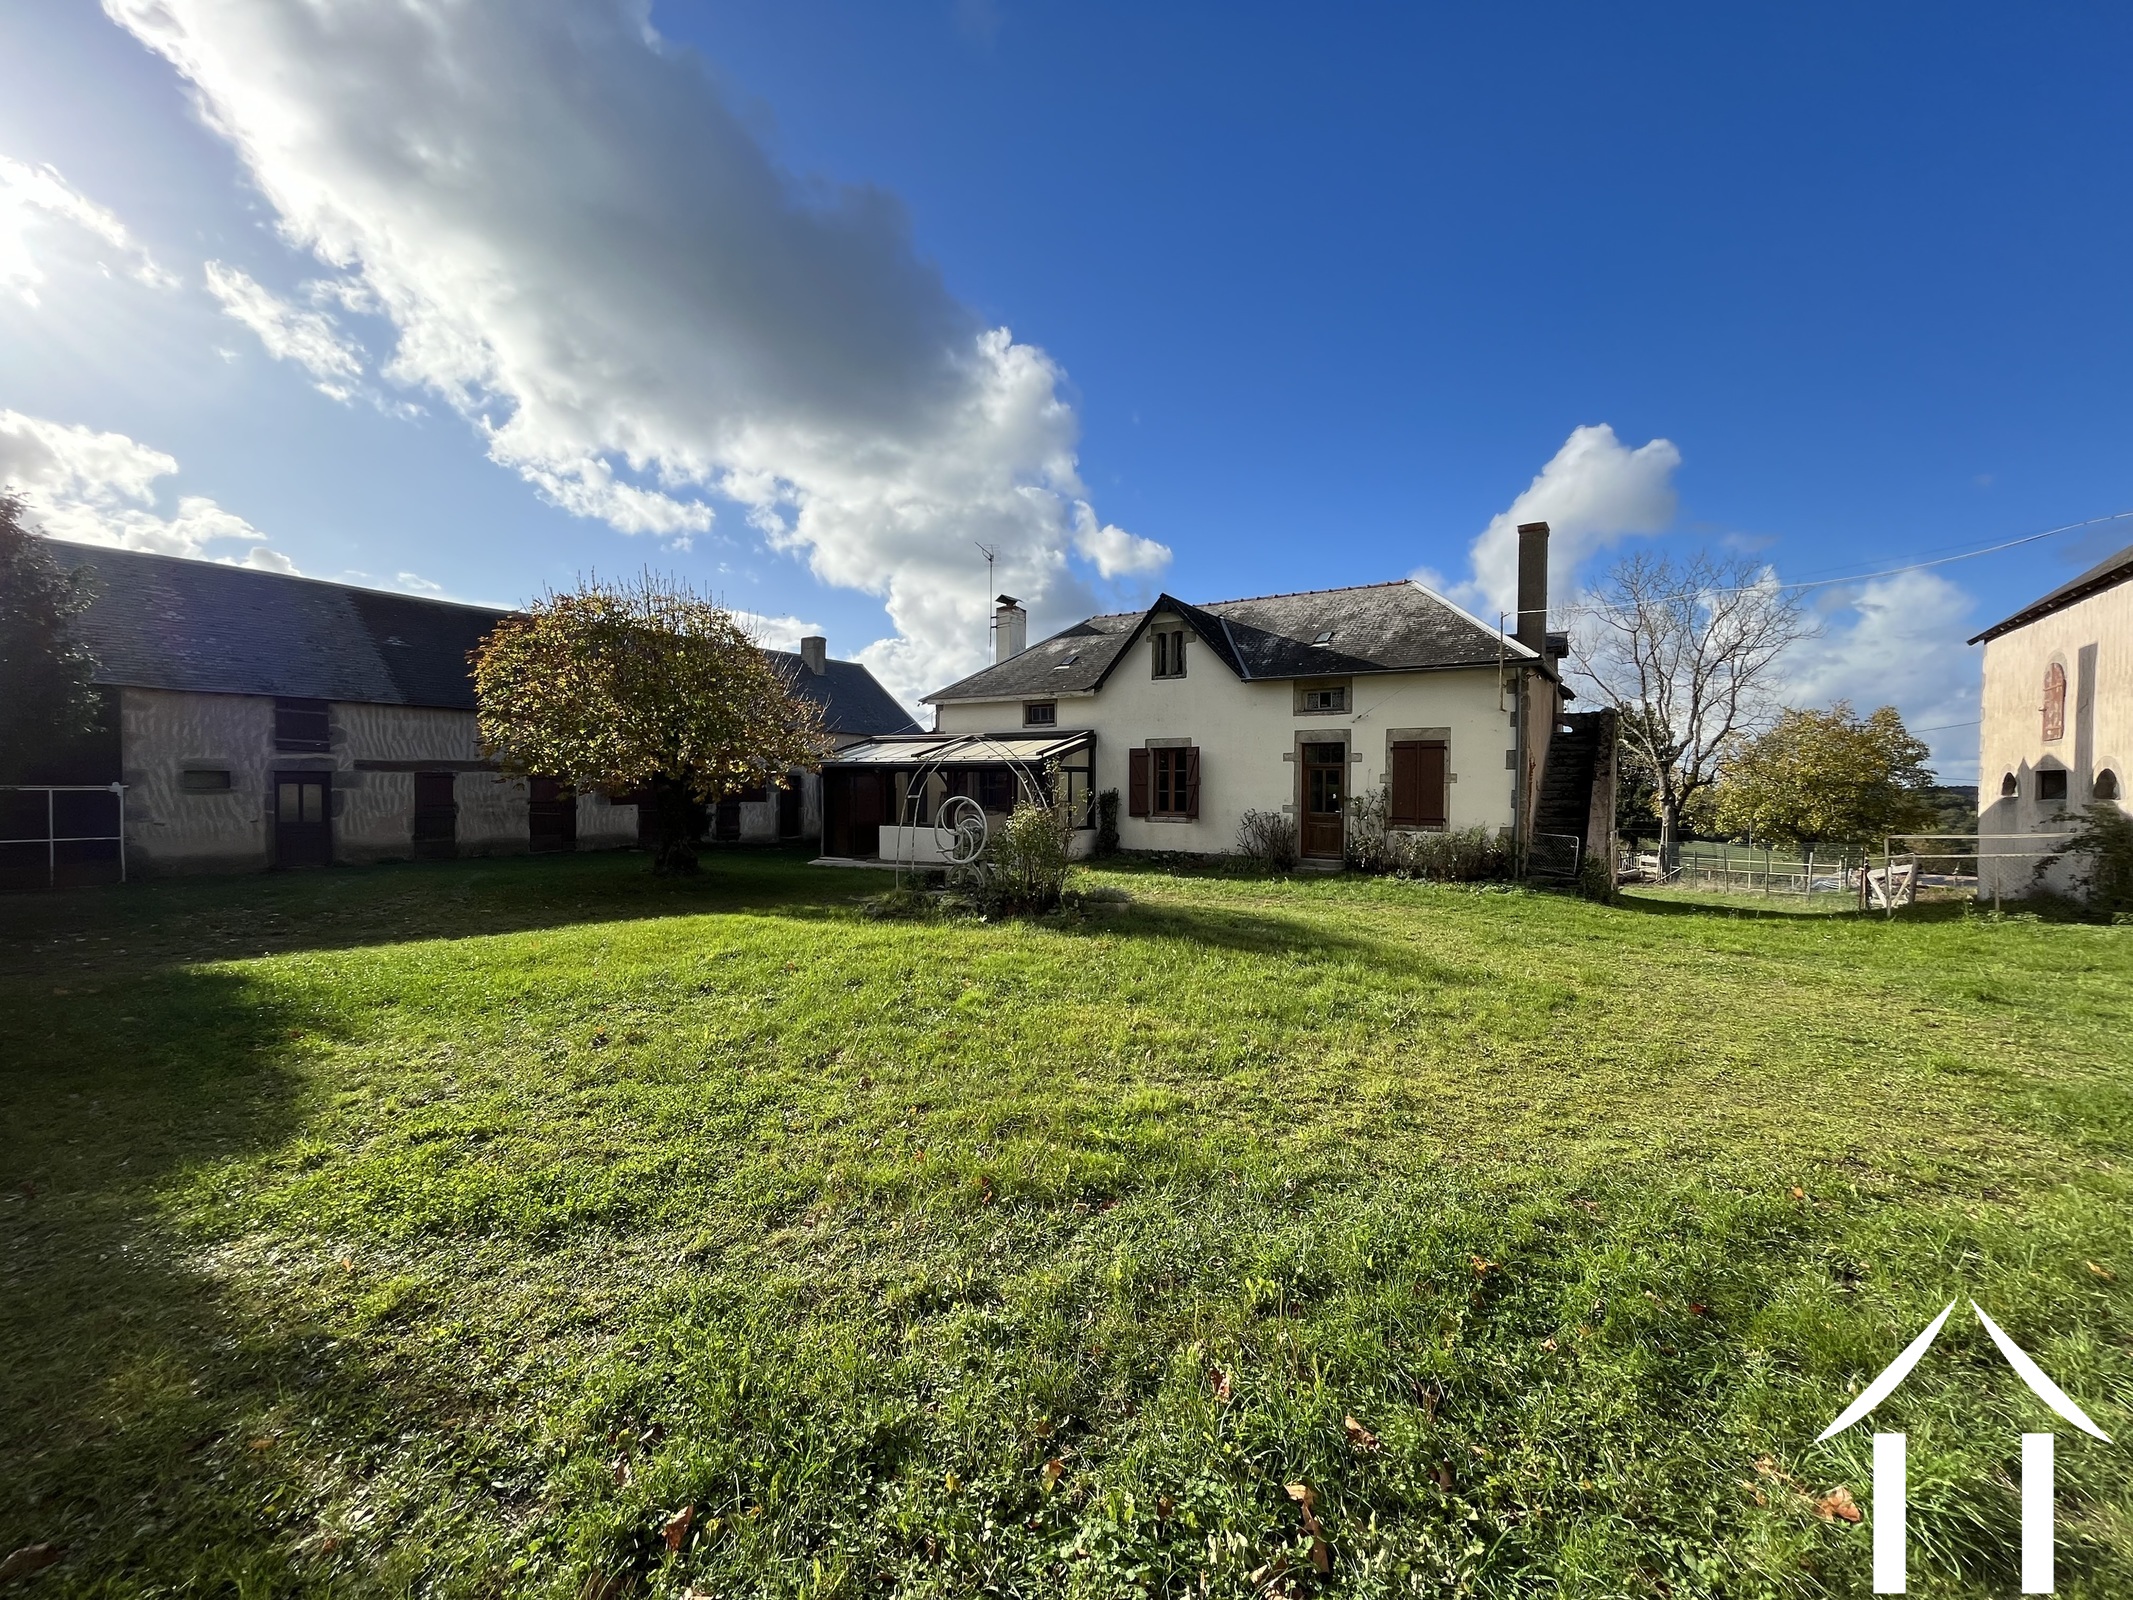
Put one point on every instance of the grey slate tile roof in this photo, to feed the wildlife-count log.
(852, 698)
(1378, 627)
(2106, 573)
(167, 622)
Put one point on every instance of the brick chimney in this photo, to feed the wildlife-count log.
(1532, 627)
(814, 650)
(1010, 629)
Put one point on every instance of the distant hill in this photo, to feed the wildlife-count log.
(1956, 804)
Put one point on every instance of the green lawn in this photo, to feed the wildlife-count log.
(447, 1229)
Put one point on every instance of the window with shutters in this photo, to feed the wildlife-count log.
(1419, 797)
(1163, 782)
(1167, 647)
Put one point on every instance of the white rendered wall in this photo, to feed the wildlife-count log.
(1247, 735)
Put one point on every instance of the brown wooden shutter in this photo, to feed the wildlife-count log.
(1136, 783)
(1405, 810)
(1433, 799)
(1192, 781)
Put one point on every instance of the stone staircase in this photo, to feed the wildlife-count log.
(1575, 749)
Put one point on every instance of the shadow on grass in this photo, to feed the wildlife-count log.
(175, 921)
(143, 1405)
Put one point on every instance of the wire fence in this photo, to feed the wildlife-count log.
(1908, 869)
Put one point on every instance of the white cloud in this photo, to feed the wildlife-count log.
(585, 249)
(32, 196)
(1899, 641)
(267, 560)
(775, 633)
(309, 338)
(1593, 492)
(416, 583)
(100, 488)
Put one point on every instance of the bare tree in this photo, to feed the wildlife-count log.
(1688, 652)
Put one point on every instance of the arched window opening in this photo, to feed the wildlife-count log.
(2054, 701)
(2009, 788)
(2107, 785)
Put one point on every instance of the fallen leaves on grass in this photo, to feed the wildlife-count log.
(676, 1531)
(1307, 1497)
(1480, 1266)
(1051, 1471)
(30, 1558)
(2102, 1272)
(1360, 1438)
(1838, 1503)
(1220, 1380)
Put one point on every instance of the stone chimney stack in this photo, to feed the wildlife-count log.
(814, 650)
(1010, 629)
(1532, 629)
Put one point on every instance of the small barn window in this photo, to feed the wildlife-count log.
(300, 725)
(1169, 653)
(1334, 699)
(2055, 701)
(2107, 785)
(2051, 783)
(2009, 787)
(205, 780)
(1040, 714)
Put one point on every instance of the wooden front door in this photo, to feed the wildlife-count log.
(1323, 834)
(303, 819)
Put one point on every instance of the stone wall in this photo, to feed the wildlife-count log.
(376, 751)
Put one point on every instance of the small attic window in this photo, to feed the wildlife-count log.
(1325, 636)
(1068, 662)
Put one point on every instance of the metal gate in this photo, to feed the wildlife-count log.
(55, 835)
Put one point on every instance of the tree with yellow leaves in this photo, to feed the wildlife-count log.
(642, 687)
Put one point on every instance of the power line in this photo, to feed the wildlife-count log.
(1967, 555)
(1890, 572)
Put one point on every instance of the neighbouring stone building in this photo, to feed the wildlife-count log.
(259, 720)
(2056, 728)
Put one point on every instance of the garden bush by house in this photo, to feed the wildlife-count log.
(1463, 855)
(1267, 839)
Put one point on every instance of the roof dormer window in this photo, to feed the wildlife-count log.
(1168, 652)
(1325, 636)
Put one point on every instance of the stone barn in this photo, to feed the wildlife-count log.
(258, 720)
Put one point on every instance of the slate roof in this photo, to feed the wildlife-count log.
(1378, 627)
(2106, 573)
(851, 698)
(169, 622)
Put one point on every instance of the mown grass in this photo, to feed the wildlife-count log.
(447, 1229)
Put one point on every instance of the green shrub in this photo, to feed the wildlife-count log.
(1107, 823)
(1024, 868)
(1467, 855)
(2105, 840)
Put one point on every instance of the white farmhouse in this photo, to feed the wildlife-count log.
(1291, 703)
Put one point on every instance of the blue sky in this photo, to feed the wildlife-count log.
(485, 298)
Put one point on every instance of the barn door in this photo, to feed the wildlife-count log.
(436, 817)
(303, 819)
(551, 816)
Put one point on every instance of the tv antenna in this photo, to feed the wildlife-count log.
(991, 554)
